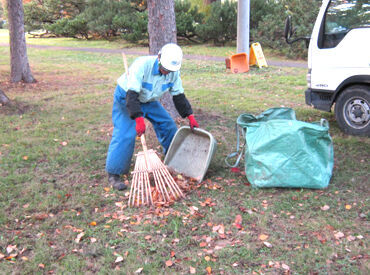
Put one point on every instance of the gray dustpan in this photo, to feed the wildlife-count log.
(191, 152)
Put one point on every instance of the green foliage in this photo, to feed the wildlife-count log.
(259, 9)
(221, 25)
(195, 21)
(270, 28)
(187, 18)
(75, 27)
(1, 11)
(201, 5)
(38, 15)
(72, 18)
(100, 14)
(133, 26)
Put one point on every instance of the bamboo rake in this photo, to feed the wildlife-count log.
(148, 163)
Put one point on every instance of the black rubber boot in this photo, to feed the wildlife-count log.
(116, 182)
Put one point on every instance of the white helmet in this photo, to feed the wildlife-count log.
(171, 57)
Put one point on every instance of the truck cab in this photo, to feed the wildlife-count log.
(339, 63)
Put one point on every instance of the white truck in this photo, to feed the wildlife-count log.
(339, 63)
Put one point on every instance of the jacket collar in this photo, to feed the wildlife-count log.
(155, 70)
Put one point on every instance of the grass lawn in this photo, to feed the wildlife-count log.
(58, 214)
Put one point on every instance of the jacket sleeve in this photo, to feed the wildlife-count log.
(133, 104)
(182, 105)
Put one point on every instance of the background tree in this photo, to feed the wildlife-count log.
(4, 100)
(162, 30)
(187, 18)
(20, 68)
(221, 24)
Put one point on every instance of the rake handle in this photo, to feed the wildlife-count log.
(125, 62)
(145, 149)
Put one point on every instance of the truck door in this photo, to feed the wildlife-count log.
(341, 49)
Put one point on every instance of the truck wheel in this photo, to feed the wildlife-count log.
(352, 110)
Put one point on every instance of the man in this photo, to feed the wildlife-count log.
(136, 96)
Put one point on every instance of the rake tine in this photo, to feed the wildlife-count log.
(156, 177)
(171, 186)
(163, 185)
(166, 183)
(148, 190)
(143, 175)
(173, 182)
(146, 195)
(174, 188)
(142, 188)
(131, 200)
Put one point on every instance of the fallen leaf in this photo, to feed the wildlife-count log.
(41, 216)
(338, 235)
(93, 223)
(238, 221)
(11, 256)
(209, 270)
(139, 270)
(147, 237)
(64, 143)
(284, 266)
(221, 230)
(119, 259)
(351, 238)
(2, 256)
(348, 206)
(192, 270)
(325, 208)
(267, 244)
(79, 237)
(93, 240)
(25, 157)
(235, 169)
(263, 237)
(41, 266)
(203, 244)
(106, 189)
(169, 263)
(119, 204)
(207, 258)
(10, 248)
(24, 258)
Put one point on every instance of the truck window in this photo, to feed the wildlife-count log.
(343, 16)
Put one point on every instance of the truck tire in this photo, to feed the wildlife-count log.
(352, 110)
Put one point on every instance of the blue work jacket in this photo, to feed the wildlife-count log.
(145, 78)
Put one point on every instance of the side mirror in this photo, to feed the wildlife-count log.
(288, 30)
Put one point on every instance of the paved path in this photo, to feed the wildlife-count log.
(280, 63)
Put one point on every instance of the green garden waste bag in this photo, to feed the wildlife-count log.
(281, 151)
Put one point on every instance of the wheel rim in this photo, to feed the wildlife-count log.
(356, 112)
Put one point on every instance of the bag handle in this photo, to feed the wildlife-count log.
(324, 123)
(238, 153)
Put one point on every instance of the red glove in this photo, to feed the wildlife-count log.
(193, 123)
(140, 126)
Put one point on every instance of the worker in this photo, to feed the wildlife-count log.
(135, 98)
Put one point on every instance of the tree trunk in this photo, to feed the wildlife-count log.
(20, 68)
(162, 30)
(4, 100)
